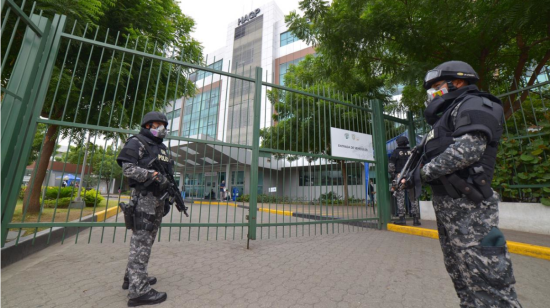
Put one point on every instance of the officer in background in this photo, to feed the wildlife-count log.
(459, 161)
(147, 186)
(398, 160)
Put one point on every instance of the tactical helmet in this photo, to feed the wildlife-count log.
(449, 71)
(402, 140)
(154, 116)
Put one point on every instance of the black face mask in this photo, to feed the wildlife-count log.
(439, 105)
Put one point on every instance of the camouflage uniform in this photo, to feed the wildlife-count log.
(400, 196)
(142, 240)
(482, 275)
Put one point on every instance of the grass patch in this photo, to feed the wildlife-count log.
(61, 215)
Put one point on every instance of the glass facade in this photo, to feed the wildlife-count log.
(287, 38)
(330, 175)
(200, 114)
(173, 114)
(218, 65)
(247, 54)
(283, 68)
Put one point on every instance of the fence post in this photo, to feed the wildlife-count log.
(253, 205)
(412, 131)
(17, 143)
(381, 158)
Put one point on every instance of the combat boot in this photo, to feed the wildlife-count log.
(401, 221)
(126, 283)
(150, 298)
(416, 221)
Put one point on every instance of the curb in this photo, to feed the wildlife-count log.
(216, 203)
(103, 215)
(539, 252)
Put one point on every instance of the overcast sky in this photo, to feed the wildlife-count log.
(212, 17)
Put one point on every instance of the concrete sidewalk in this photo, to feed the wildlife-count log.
(366, 268)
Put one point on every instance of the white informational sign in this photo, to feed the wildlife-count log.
(351, 144)
(272, 189)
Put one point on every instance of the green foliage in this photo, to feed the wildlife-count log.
(66, 194)
(263, 198)
(394, 42)
(303, 122)
(22, 192)
(61, 203)
(54, 192)
(91, 197)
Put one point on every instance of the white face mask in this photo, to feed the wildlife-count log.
(159, 132)
(435, 92)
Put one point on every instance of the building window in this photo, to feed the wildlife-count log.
(173, 114)
(287, 38)
(201, 114)
(283, 69)
(218, 65)
(330, 175)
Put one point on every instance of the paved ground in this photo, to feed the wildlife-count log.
(365, 268)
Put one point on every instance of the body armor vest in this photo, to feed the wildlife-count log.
(158, 150)
(477, 113)
(399, 157)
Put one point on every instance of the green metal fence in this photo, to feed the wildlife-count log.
(79, 92)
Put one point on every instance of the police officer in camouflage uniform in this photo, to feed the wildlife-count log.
(398, 160)
(147, 186)
(460, 156)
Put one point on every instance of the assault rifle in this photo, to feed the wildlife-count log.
(173, 192)
(411, 171)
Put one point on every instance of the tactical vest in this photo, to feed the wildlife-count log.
(475, 114)
(399, 157)
(158, 150)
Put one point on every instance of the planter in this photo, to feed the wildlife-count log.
(525, 217)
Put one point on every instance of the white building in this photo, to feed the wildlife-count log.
(222, 111)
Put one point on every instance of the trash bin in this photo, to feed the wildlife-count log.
(234, 193)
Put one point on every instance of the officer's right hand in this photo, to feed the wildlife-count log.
(163, 181)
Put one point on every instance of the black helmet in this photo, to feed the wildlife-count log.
(449, 71)
(402, 140)
(154, 116)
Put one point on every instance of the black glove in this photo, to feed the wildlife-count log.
(163, 182)
(167, 207)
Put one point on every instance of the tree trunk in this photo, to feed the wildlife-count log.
(35, 183)
(345, 176)
(509, 109)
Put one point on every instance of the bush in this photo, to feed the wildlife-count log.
(91, 197)
(62, 203)
(22, 192)
(64, 192)
(263, 198)
(330, 197)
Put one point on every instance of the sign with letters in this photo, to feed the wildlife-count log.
(248, 17)
(350, 144)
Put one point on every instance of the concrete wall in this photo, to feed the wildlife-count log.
(526, 217)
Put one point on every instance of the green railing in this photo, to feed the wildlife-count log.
(80, 92)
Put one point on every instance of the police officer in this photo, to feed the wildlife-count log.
(147, 186)
(398, 160)
(459, 161)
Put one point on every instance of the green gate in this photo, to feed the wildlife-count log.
(72, 97)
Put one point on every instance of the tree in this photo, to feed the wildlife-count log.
(101, 87)
(302, 123)
(398, 41)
